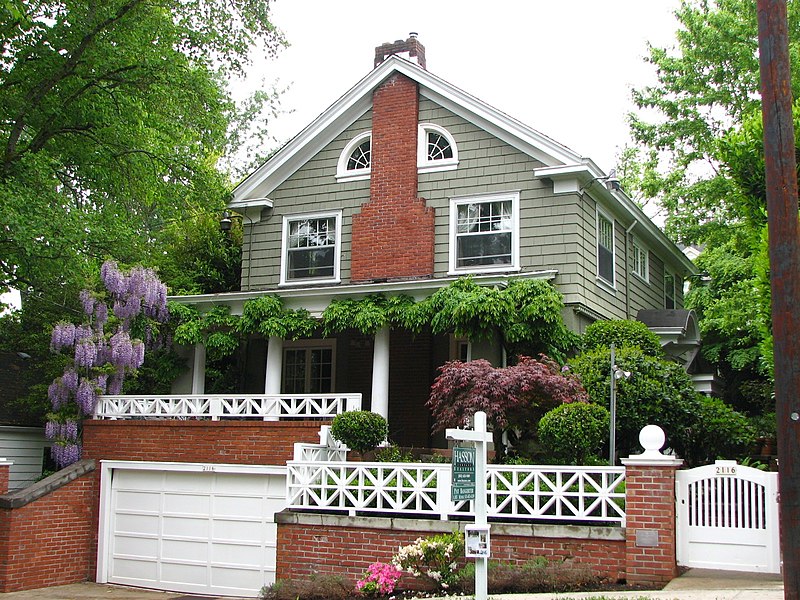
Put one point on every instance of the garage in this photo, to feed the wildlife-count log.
(195, 528)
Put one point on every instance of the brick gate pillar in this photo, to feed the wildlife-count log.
(650, 512)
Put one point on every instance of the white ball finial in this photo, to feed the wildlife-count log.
(652, 439)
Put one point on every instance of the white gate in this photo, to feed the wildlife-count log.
(727, 518)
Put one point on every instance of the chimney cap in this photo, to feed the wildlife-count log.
(410, 49)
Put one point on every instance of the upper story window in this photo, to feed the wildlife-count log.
(310, 249)
(641, 265)
(670, 281)
(605, 248)
(484, 233)
(436, 149)
(356, 159)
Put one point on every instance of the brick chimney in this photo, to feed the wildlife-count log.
(410, 49)
(393, 234)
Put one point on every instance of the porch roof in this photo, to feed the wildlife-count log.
(317, 298)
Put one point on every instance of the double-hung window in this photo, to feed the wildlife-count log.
(641, 265)
(484, 233)
(605, 249)
(310, 251)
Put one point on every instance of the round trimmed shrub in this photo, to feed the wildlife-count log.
(360, 430)
(574, 432)
(601, 334)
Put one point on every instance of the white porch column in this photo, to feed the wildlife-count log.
(380, 373)
(199, 370)
(272, 378)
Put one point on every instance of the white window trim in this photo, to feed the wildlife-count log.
(515, 263)
(636, 245)
(600, 279)
(430, 166)
(342, 173)
(311, 344)
(337, 214)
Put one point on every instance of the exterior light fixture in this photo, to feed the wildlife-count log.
(225, 222)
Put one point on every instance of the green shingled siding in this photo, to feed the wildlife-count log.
(556, 232)
(313, 188)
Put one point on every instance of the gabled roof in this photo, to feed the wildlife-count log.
(358, 100)
(560, 163)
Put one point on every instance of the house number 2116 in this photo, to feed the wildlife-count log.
(723, 470)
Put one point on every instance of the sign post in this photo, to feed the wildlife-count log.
(477, 537)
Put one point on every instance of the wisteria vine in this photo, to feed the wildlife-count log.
(105, 349)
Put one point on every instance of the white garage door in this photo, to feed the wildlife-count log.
(197, 531)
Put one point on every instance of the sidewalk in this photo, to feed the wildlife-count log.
(696, 584)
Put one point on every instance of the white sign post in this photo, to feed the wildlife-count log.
(481, 438)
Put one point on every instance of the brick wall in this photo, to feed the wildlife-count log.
(48, 531)
(393, 234)
(339, 546)
(236, 442)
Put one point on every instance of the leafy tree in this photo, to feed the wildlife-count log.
(601, 334)
(512, 397)
(700, 154)
(113, 116)
(658, 392)
(706, 85)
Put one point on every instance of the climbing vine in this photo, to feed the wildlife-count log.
(526, 314)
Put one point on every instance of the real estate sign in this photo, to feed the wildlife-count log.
(463, 466)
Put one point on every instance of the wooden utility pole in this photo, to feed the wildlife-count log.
(784, 258)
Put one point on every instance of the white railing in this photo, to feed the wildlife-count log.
(530, 492)
(226, 406)
(328, 449)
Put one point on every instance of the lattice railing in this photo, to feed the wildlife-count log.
(226, 406)
(542, 493)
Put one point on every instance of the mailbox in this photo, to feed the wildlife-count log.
(477, 541)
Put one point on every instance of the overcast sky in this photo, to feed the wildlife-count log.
(565, 68)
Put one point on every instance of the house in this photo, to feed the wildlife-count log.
(22, 439)
(403, 185)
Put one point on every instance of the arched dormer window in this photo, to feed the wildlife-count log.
(436, 149)
(355, 159)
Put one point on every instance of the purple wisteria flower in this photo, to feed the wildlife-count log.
(100, 315)
(50, 430)
(63, 336)
(65, 454)
(102, 383)
(122, 350)
(57, 394)
(85, 353)
(113, 280)
(87, 300)
(69, 431)
(86, 396)
(70, 380)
